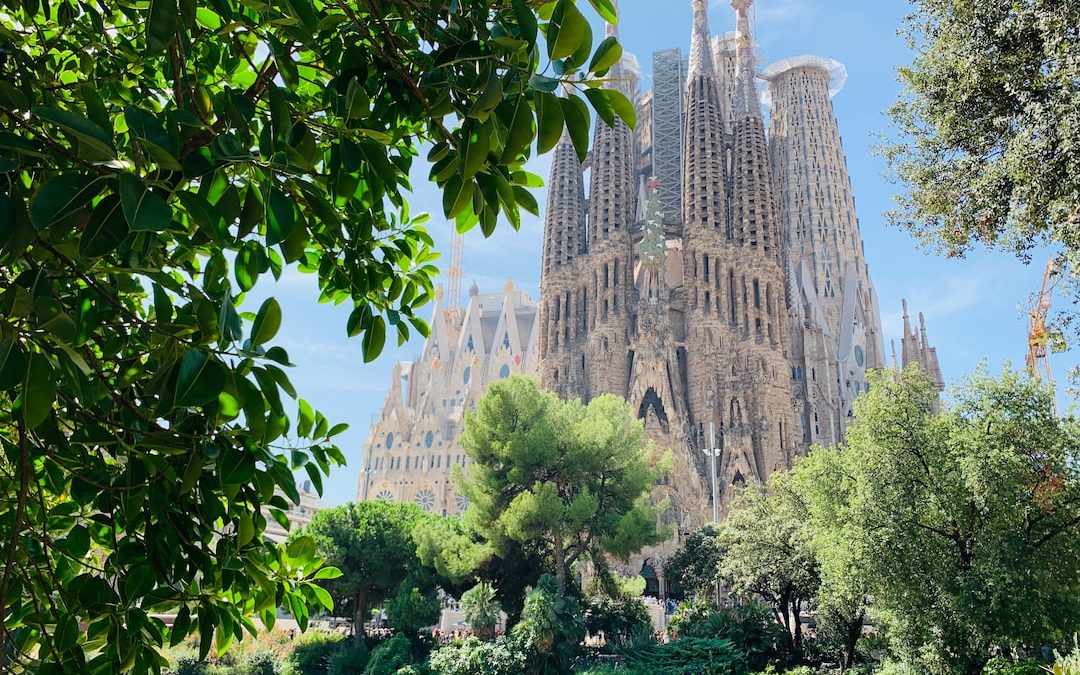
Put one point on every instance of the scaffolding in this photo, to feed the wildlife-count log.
(667, 122)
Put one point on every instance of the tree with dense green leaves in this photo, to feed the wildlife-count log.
(767, 555)
(963, 524)
(414, 607)
(694, 568)
(819, 488)
(372, 544)
(988, 126)
(160, 160)
(575, 478)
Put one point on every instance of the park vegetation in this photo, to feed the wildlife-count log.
(942, 538)
(161, 160)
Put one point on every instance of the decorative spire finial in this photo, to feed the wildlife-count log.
(746, 96)
(701, 62)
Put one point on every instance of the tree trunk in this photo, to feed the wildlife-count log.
(360, 616)
(560, 564)
(797, 618)
(851, 640)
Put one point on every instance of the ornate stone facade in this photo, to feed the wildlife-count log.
(750, 310)
(413, 446)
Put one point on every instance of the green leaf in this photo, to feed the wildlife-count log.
(457, 195)
(306, 418)
(144, 210)
(607, 54)
(374, 338)
(520, 133)
(606, 10)
(328, 572)
(105, 229)
(550, 119)
(476, 140)
(139, 581)
(315, 476)
(62, 196)
(566, 30)
(623, 108)
(39, 391)
(161, 25)
(236, 467)
(577, 124)
(94, 142)
(247, 266)
(267, 322)
(601, 105)
(279, 217)
(322, 596)
(245, 529)
(200, 380)
(526, 200)
(66, 634)
(526, 20)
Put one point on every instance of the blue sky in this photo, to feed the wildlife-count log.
(975, 308)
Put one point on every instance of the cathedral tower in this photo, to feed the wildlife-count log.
(562, 297)
(613, 187)
(747, 387)
(841, 327)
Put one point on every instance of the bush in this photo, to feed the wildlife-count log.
(390, 656)
(752, 628)
(185, 663)
(551, 628)
(311, 653)
(481, 610)
(1002, 666)
(349, 659)
(691, 655)
(899, 668)
(259, 661)
(473, 656)
(624, 623)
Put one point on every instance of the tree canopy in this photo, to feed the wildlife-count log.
(988, 126)
(960, 524)
(372, 544)
(694, 568)
(574, 477)
(160, 160)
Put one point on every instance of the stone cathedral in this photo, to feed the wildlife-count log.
(713, 274)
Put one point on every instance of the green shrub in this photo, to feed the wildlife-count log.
(899, 668)
(411, 609)
(390, 656)
(311, 653)
(751, 627)
(1003, 666)
(186, 663)
(259, 661)
(691, 655)
(481, 610)
(551, 628)
(473, 656)
(624, 623)
(349, 659)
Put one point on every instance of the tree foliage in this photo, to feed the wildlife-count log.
(482, 610)
(767, 554)
(575, 478)
(962, 524)
(372, 543)
(694, 568)
(989, 125)
(157, 162)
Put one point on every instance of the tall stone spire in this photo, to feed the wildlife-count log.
(564, 221)
(753, 214)
(704, 193)
(561, 315)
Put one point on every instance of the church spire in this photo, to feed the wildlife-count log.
(704, 196)
(754, 222)
(746, 96)
(564, 221)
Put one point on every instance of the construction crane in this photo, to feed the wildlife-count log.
(1043, 340)
(453, 277)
